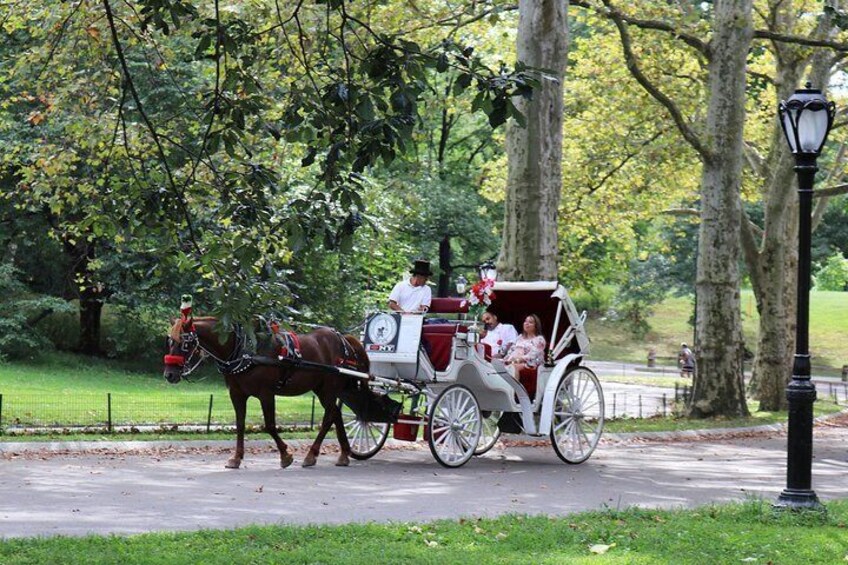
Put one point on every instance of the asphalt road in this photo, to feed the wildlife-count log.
(168, 489)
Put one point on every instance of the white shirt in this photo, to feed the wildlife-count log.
(500, 337)
(411, 298)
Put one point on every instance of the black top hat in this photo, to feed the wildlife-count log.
(421, 267)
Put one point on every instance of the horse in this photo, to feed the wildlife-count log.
(191, 340)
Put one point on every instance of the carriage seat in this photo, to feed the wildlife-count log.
(527, 378)
(439, 337)
(449, 305)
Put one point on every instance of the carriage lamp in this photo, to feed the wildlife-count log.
(461, 284)
(806, 119)
(488, 271)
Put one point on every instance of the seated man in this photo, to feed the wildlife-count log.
(413, 295)
(499, 337)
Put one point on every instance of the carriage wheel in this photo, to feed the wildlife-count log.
(455, 425)
(490, 433)
(366, 438)
(578, 418)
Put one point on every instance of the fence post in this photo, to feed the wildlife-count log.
(109, 412)
(664, 406)
(676, 391)
(312, 417)
(209, 416)
(1, 413)
(613, 405)
(640, 406)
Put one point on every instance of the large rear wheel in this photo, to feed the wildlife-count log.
(578, 416)
(366, 438)
(455, 426)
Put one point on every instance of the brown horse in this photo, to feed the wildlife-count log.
(193, 339)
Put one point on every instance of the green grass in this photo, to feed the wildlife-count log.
(675, 424)
(63, 390)
(670, 327)
(749, 532)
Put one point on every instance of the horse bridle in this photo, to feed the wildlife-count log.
(193, 353)
(190, 347)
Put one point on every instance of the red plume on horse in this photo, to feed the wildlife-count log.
(324, 362)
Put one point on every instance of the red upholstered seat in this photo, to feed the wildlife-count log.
(448, 306)
(527, 378)
(439, 337)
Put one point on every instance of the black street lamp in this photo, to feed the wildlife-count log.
(806, 119)
(488, 271)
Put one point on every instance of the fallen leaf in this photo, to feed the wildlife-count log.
(600, 548)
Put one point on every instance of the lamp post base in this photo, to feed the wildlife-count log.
(797, 499)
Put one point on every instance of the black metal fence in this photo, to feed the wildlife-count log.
(126, 411)
(204, 412)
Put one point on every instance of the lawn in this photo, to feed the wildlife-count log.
(749, 532)
(670, 326)
(64, 389)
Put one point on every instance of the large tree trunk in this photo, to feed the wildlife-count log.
(774, 267)
(534, 182)
(719, 387)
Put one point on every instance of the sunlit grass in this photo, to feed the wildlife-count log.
(749, 532)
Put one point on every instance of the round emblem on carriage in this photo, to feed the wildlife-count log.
(382, 329)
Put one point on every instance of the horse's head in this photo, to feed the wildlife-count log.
(183, 345)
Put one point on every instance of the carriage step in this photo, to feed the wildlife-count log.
(510, 423)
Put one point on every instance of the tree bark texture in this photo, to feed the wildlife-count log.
(530, 250)
(719, 386)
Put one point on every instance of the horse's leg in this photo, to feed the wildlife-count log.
(269, 411)
(239, 401)
(326, 422)
(341, 434)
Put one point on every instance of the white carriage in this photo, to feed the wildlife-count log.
(462, 396)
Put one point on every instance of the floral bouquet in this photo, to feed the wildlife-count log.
(480, 297)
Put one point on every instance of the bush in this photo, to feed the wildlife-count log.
(21, 313)
(833, 275)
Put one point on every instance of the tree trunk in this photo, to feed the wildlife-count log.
(445, 268)
(719, 386)
(530, 250)
(90, 296)
(775, 283)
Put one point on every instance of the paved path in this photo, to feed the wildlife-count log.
(107, 491)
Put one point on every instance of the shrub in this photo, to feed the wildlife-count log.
(21, 314)
(833, 275)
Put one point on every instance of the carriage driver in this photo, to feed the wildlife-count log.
(413, 295)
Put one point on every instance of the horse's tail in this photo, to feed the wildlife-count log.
(362, 363)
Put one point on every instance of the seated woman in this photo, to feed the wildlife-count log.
(528, 351)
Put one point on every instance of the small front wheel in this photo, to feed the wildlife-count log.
(578, 416)
(490, 433)
(455, 426)
(366, 438)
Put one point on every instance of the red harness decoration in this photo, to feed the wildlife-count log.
(288, 342)
(176, 360)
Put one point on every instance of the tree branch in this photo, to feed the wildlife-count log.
(693, 41)
(633, 66)
(798, 40)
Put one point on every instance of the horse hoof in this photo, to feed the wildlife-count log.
(233, 464)
(285, 460)
(343, 461)
(309, 460)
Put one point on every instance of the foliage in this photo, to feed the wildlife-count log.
(833, 275)
(20, 313)
(186, 122)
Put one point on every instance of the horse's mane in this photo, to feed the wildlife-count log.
(177, 327)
